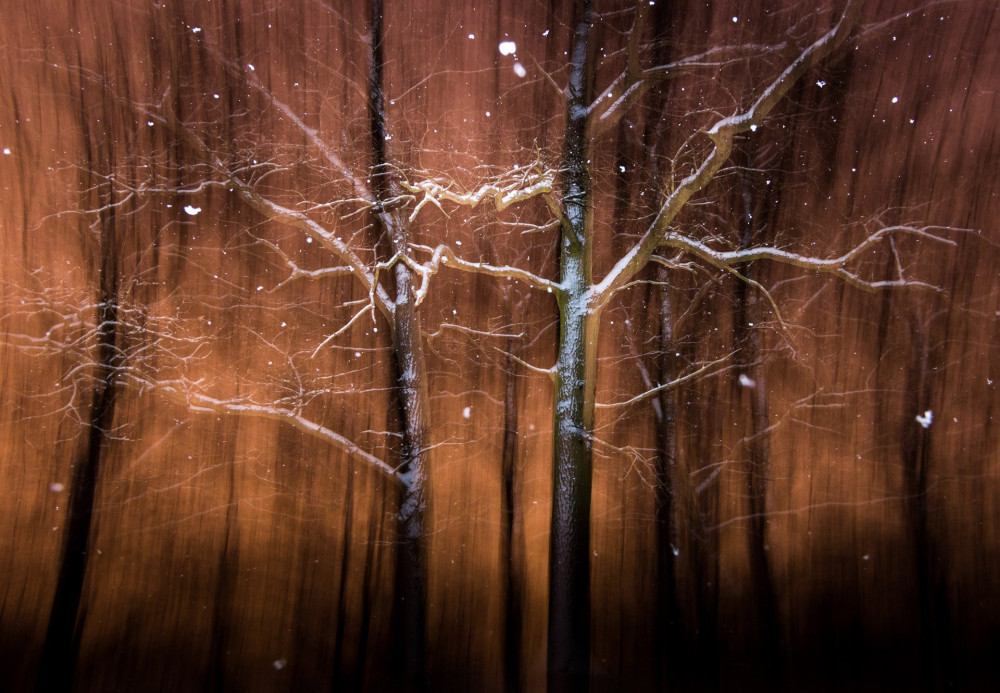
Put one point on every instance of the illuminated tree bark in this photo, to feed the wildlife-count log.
(411, 580)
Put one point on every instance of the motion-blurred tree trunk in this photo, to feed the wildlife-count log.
(62, 637)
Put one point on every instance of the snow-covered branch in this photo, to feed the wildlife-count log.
(443, 255)
(838, 266)
(722, 134)
(630, 86)
(515, 186)
(184, 392)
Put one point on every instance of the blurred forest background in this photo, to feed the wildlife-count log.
(816, 507)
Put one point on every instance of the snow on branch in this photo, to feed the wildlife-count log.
(183, 392)
(296, 271)
(722, 134)
(838, 266)
(442, 254)
(629, 87)
(514, 186)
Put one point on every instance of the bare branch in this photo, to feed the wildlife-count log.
(549, 372)
(179, 391)
(442, 254)
(722, 134)
(515, 186)
(360, 187)
(666, 386)
(631, 85)
(298, 272)
(838, 266)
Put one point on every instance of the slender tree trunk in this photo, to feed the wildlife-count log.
(509, 560)
(226, 583)
(569, 544)
(667, 637)
(934, 640)
(411, 579)
(62, 637)
(757, 457)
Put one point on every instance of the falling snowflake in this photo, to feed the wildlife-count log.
(925, 419)
(192, 210)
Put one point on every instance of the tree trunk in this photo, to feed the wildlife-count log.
(411, 580)
(411, 383)
(569, 544)
(62, 637)
(667, 636)
(758, 446)
(509, 559)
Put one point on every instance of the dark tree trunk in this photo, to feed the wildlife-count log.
(934, 640)
(569, 547)
(509, 559)
(757, 451)
(411, 580)
(667, 635)
(226, 584)
(62, 637)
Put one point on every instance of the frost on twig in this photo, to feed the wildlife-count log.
(514, 186)
(443, 255)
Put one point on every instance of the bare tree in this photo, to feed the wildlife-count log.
(376, 252)
(393, 271)
(594, 106)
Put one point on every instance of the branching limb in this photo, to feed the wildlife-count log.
(837, 266)
(516, 186)
(298, 272)
(280, 213)
(442, 254)
(361, 189)
(367, 308)
(631, 85)
(181, 392)
(227, 177)
(722, 134)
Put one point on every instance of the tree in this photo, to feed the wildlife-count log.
(372, 225)
(150, 363)
(591, 113)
